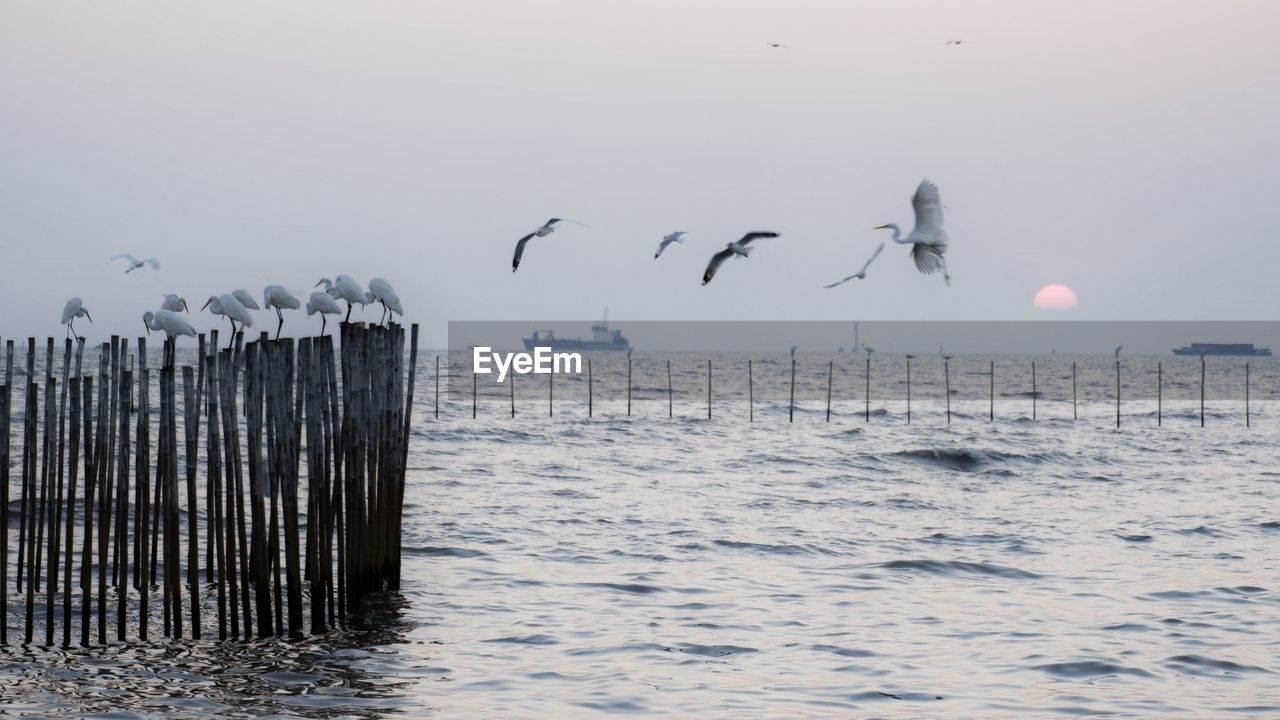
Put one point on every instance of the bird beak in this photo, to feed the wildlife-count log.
(880, 227)
(319, 283)
(145, 325)
(185, 309)
(206, 303)
(86, 314)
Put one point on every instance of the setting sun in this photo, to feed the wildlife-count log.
(1056, 297)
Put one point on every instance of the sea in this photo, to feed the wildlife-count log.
(721, 545)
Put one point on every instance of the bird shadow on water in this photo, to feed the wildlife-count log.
(353, 672)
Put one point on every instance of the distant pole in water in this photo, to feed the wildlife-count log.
(628, 383)
(590, 392)
(708, 389)
(946, 374)
(867, 412)
(1246, 394)
(993, 391)
(751, 395)
(1074, 416)
(473, 395)
(1117, 391)
(512, 380)
(670, 401)
(437, 410)
(831, 369)
(908, 389)
(1033, 389)
(1159, 394)
(1202, 391)
(551, 394)
(791, 405)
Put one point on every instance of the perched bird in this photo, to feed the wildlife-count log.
(135, 263)
(173, 303)
(246, 299)
(381, 291)
(547, 228)
(861, 274)
(739, 248)
(928, 240)
(344, 287)
(323, 303)
(275, 296)
(168, 321)
(72, 310)
(1118, 349)
(794, 348)
(675, 237)
(229, 307)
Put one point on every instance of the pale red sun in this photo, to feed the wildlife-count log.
(1056, 297)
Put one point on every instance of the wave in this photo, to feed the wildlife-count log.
(959, 567)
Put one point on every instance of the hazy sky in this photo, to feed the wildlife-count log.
(1127, 149)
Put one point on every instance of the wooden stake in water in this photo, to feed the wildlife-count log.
(867, 410)
(831, 369)
(628, 383)
(791, 405)
(1201, 391)
(670, 394)
(1034, 390)
(591, 392)
(473, 395)
(512, 379)
(437, 409)
(992, 410)
(1246, 394)
(908, 389)
(551, 393)
(708, 389)
(1159, 394)
(751, 394)
(1117, 392)
(1074, 415)
(946, 374)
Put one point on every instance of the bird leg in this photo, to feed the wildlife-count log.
(384, 312)
(231, 341)
(348, 312)
(279, 315)
(323, 321)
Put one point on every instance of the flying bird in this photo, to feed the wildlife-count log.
(776, 45)
(168, 321)
(229, 307)
(275, 296)
(323, 303)
(344, 287)
(675, 237)
(381, 291)
(861, 274)
(173, 303)
(135, 263)
(72, 310)
(246, 299)
(739, 248)
(547, 228)
(928, 240)
(952, 42)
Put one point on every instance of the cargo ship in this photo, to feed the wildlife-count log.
(1245, 349)
(602, 339)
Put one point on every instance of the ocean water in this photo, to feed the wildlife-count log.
(573, 566)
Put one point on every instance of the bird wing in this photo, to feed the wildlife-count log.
(154, 263)
(756, 236)
(126, 256)
(716, 261)
(927, 203)
(841, 282)
(874, 255)
(515, 261)
(927, 259)
(70, 309)
(662, 245)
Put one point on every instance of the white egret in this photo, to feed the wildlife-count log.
(72, 310)
(928, 240)
(173, 303)
(739, 248)
(323, 303)
(861, 274)
(381, 291)
(547, 228)
(1118, 349)
(344, 287)
(135, 263)
(229, 307)
(675, 237)
(246, 299)
(275, 296)
(169, 321)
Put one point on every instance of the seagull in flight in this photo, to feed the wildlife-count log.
(777, 45)
(739, 248)
(547, 228)
(135, 263)
(861, 274)
(675, 237)
(952, 42)
(928, 240)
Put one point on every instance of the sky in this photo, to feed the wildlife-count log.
(1125, 148)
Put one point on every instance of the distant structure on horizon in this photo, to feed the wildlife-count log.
(602, 339)
(1236, 349)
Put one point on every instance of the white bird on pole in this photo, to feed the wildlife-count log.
(381, 291)
(323, 303)
(547, 228)
(246, 299)
(675, 237)
(135, 263)
(344, 287)
(861, 274)
(1118, 349)
(169, 321)
(72, 310)
(928, 240)
(173, 303)
(275, 296)
(739, 249)
(229, 307)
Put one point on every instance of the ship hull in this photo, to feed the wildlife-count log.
(558, 345)
(1233, 350)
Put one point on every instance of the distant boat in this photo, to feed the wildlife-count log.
(1245, 349)
(602, 339)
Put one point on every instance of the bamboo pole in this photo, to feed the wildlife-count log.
(1201, 391)
(1159, 394)
(590, 391)
(1246, 395)
(708, 389)
(1074, 414)
(751, 394)
(670, 395)
(908, 390)
(946, 372)
(831, 366)
(1034, 390)
(791, 404)
(867, 406)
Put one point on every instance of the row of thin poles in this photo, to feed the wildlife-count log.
(83, 465)
(791, 407)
